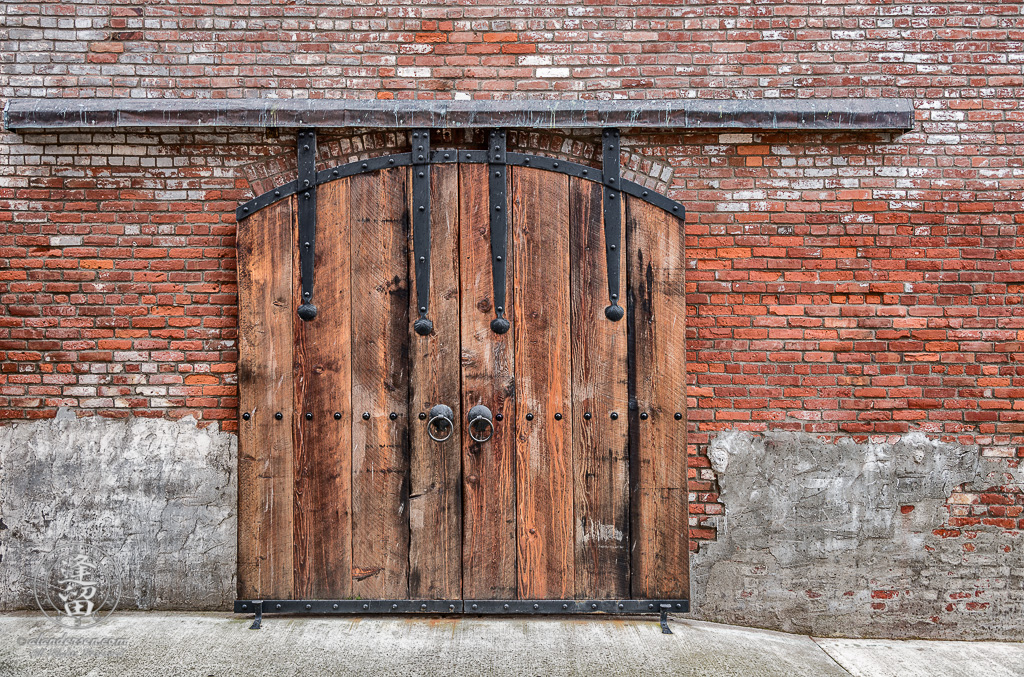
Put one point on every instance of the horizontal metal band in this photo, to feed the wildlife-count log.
(469, 606)
(818, 114)
(449, 155)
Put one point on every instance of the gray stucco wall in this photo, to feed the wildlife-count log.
(157, 496)
(815, 537)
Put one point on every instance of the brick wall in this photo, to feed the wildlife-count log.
(840, 284)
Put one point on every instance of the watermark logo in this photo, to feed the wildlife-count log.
(77, 586)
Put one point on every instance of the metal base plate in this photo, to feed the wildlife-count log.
(458, 606)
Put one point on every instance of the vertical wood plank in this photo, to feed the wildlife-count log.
(489, 486)
(379, 229)
(435, 498)
(266, 308)
(322, 378)
(599, 387)
(544, 471)
(660, 552)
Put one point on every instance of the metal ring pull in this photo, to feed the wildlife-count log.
(441, 417)
(480, 419)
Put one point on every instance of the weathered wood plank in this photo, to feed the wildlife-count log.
(599, 387)
(544, 471)
(379, 229)
(660, 549)
(435, 498)
(323, 388)
(489, 487)
(266, 308)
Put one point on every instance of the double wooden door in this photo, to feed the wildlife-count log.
(580, 490)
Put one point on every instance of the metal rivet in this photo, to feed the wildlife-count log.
(364, 165)
(420, 148)
(392, 416)
(558, 416)
(391, 161)
(529, 417)
(421, 175)
(612, 247)
(611, 196)
(245, 606)
(500, 417)
(335, 172)
(306, 244)
(246, 416)
(451, 607)
(335, 607)
(277, 193)
(615, 297)
(643, 416)
(423, 607)
(305, 294)
(584, 172)
(536, 606)
(527, 161)
(474, 607)
(423, 416)
(245, 209)
(394, 606)
(650, 606)
(278, 606)
(586, 416)
(565, 606)
(415, 136)
(679, 606)
(337, 416)
(644, 193)
(366, 416)
(309, 416)
(675, 209)
(497, 208)
(556, 164)
(611, 180)
(593, 606)
(423, 259)
(421, 157)
(505, 607)
(302, 134)
(278, 416)
(446, 156)
(615, 415)
(365, 607)
(498, 258)
(622, 606)
(497, 174)
(422, 208)
(470, 157)
(679, 416)
(423, 309)
(305, 148)
(308, 607)
(500, 309)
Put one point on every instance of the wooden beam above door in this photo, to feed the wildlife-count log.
(825, 114)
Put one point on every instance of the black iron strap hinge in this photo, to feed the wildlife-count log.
(498, 208)
(421, 227)
(612, 219)
(307, 218)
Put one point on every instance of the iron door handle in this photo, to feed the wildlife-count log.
(441, 419)
(480, 421)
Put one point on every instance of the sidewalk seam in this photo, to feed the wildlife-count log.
(833, 658)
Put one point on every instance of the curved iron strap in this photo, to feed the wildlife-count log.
(247, 209)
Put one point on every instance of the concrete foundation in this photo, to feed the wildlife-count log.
(829, 539)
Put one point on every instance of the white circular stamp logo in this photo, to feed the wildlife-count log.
(77, 586)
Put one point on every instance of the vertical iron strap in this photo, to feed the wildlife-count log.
(496, 173)
(306, 147)
(421, 226)
(612, 220)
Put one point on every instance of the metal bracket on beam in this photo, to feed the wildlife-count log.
(421, 227)
(612, 219)
(665, 630)
(306, 188)
(257, 609)
(498, 207)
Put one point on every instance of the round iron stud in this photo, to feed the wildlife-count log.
(278, 416)
(423, 416)
(246, 416)
(586, 416)
(278, 606)
(308, 607)
(335, 607)
(392, 416)
(643, 416)
(558, 416)
(365, 607)
(499, 417)
(423, 326)
(337, 416)
(615, 415)
(529, 417)
(536, 606)
(505, 607)
(309, 416)
(366, 416)
(679, 416)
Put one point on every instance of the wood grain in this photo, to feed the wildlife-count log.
(660, 551)
(266, 311)
(599, 387)
(435, 498)
(323, 387)
(489, 485)
(544, 471)
(379, 230)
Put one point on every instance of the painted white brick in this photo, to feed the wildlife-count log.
(552, 72)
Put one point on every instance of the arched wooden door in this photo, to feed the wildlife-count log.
(577, 497)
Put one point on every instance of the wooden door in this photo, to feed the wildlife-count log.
(579, 493)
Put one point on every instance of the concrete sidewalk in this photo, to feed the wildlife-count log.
(222, 644)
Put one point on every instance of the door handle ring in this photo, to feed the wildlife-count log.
(441, 417)
(480, 418)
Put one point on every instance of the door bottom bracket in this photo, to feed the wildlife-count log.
(537, 607)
